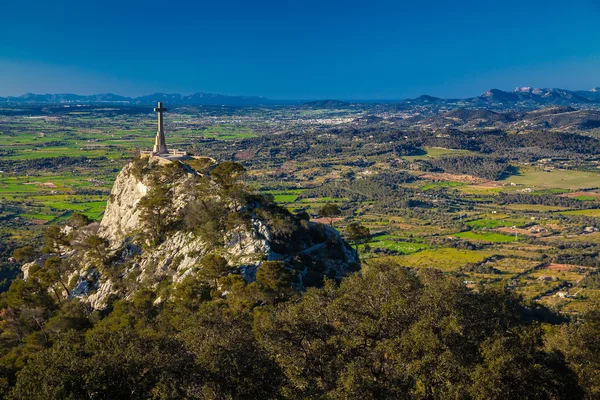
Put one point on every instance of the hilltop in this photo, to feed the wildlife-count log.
(171, 224)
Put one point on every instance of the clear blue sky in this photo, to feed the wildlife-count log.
(298, 49)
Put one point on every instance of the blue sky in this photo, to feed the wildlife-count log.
(298, 49)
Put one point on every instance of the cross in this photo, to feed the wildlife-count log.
(160, 146)
(160, 108)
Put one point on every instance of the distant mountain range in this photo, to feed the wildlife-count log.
(523, 96)
(194, 99)
(520, 97)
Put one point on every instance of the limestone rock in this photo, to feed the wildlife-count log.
(323, 251)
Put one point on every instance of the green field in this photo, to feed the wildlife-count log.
(436, 152)
(565, 179)
(486, 237)
(588, 213)
(445, 259)
(394, 243)
(442, 184)
(495, 223)
(285, 198)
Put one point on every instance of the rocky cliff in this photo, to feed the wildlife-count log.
(163, 219)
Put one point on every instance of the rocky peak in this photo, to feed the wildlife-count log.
(162, 220)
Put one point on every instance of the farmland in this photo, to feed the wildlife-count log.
(466, 217)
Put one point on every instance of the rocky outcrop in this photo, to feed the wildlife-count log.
(313, 251)
(121, 216)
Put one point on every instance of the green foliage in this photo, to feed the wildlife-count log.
(213, 267)
(385, 333)
(275, 278)
(357, 233)
(79, 220)
(227, 174)
(207, 218)
(578, 341)
(139, 167)
(330, 211)
(201, 165)
(154, 208)
(54, 238)
(25, 254)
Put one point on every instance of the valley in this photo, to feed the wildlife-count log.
(496, 198)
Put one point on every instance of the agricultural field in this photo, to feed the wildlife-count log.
(557, 178)
(491, 237)
(422, 211)
(444, 259)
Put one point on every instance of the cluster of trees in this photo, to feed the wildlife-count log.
(378, 187)
(527, 147)
(51, 163)
(484, 167)
(385, 333)
(542, 199)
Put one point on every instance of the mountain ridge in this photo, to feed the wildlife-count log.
(173, 98)
(522, 96)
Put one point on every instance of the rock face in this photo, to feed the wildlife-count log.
(311, 250)
(121, 216)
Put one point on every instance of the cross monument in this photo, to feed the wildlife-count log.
(160, 145)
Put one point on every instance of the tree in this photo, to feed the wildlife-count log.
(229, 360)
(154, 208)
(357, 233)
(79, 220)
(330, 211)
(214, 267)
(228, 175)
(275, 278)
(207, 218)
(54, 273)
(516, 367)
(54, 239)
(578, 341)
(25, 254)
(390, 333)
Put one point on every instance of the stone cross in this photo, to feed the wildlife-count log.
(160, 145)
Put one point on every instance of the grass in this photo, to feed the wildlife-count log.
(564, 179)
(447, 184)
(585, 198)
(432, 152)
(495, 223)
(39, 216)
(486, 237)
(285, 198)
(534, 207)
(514, 265)
(588, 213)
(444, 259)
(395, 243)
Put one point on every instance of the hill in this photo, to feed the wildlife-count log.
(327, 104)
(164, 221)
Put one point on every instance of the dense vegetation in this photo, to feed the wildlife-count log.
(506, 204)
(385, 333)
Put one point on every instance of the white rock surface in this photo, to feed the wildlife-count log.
(178, 255)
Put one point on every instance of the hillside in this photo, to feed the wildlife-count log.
(477, 231)
(163, 222)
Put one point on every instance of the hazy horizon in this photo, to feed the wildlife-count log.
(291, 99)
